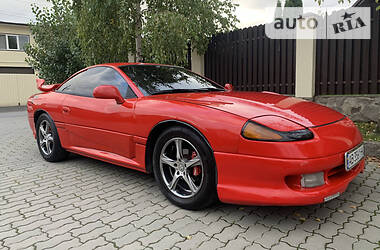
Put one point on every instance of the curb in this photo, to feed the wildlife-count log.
(372, 148)
(12, 109)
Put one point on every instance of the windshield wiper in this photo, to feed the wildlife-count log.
(212, 89)
(172, 91)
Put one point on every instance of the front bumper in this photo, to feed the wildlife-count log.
(252, 180)
(30, 109)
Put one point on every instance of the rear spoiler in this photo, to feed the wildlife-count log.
(45, 88)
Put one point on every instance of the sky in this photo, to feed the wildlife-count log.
(249, 12)
(18, 11)
(255, 12)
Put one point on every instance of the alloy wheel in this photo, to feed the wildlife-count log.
(45, 136)
(181, 167)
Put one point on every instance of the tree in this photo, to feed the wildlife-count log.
(170, 24)
(55, 53)
(78, 33)
(339, 1)
(342, 1)
(101, 35)
(293, 3)
(138, 31)
(278, 11)
(153, 30)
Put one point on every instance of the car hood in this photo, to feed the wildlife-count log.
(254, 104)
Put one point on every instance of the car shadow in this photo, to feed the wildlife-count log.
(283, 219)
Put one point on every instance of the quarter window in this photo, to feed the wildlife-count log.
(84, 83)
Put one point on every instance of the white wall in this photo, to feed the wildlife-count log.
(197, 63)
(305, 68)
(15, 89)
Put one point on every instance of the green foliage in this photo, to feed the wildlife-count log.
(339, 1)
(170, 24)
(78, 33)
(56, 53)
(165, 38)
(293, 3)
(342, 1)
(278, 11)
(369, 130)
(101, 35)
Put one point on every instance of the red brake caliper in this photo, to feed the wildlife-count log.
(196, 169)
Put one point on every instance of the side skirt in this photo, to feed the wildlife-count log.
(107, 157)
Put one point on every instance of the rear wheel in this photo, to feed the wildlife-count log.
(184, 168)
(48, 140)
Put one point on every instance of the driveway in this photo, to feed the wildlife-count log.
(86, 204)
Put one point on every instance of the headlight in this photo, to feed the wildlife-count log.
(256, 131)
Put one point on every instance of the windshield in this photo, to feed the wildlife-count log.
(157, 79)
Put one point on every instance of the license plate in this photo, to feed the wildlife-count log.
(353, 157)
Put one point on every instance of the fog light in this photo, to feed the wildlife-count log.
(312, 180)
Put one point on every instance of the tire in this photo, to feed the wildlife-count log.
(186, 177)
(48, 140)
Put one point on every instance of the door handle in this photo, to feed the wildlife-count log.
(66, 110)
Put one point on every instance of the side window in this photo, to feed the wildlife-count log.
(130, 94)
(84, 83)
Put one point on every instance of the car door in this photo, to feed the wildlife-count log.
(93, 124)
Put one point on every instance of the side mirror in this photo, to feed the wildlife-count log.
(228, 87)
(108, 92)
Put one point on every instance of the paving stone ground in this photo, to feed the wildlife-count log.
(87, 204)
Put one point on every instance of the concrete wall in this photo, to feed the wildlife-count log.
(358, 108)
(305, 68)
(15, 88)
(197, 63)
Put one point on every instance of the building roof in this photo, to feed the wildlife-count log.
(11, 23)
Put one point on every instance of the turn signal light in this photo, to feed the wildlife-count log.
(258, 132)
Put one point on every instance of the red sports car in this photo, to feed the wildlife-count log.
(202, 141)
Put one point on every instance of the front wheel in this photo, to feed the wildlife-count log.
(185, 169)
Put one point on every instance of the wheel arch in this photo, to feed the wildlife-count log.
(158, 129)
(37, 114)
